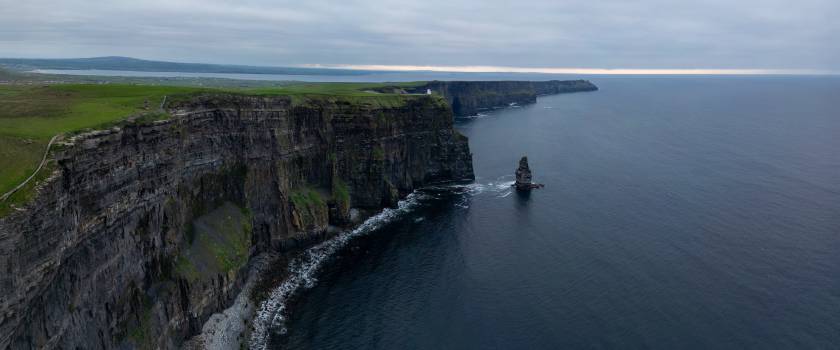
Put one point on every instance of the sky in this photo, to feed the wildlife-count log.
(758, 35)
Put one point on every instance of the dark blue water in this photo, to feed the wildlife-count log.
(678, 213)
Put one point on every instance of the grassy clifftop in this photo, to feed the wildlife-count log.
(32, 114)
(40, 112)
(43, 111)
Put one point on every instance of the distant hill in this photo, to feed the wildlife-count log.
(134, 64)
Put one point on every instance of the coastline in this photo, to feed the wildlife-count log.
(276, 279)
(304, 267)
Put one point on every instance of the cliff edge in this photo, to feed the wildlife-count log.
(471, 97)
(143, 231)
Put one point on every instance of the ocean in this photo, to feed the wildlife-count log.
(678, 213)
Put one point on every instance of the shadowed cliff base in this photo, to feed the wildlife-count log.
(168, 209)
(122, 243)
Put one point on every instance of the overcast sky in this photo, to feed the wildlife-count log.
(755, 34)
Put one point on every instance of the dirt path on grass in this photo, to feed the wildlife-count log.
(41, 165)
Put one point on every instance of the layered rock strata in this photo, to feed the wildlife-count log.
(523, 176)
(145, 230)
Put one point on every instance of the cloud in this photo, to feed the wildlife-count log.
(714, 34)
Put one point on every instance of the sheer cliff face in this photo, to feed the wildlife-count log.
(470, 97)
(144, 231)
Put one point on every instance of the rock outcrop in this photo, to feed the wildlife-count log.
(145, 230)
(471, 97)
(523, 176)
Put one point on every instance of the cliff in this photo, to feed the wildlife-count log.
(143, 231)
(470, 97)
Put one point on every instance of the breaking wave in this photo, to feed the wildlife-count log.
(500, 188)
(475, 116)
(271, 315)
(303, 269)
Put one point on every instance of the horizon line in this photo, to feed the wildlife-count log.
(566, 70)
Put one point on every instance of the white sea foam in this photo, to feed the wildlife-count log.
(476, 116)
(271, 315)
(500, 187)
(303, 270)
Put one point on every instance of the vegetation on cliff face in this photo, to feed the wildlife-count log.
(140, 333)
(341, 196)
(311, 206)
(121, 216)
(219, 245)
(310, 210)
(378, 153)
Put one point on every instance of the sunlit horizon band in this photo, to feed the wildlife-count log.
(592, 71)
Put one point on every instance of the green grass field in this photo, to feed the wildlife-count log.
(42, 112)
(31, 114)
(302, 93)
(220, 243)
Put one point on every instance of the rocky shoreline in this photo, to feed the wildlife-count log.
(179, 232)
(144, 232)
(233, 327)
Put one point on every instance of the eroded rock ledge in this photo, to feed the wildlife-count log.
(144, 231)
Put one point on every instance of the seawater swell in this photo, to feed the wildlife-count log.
(303, 270)
(501, 187)
(104, 249)
(676, 207)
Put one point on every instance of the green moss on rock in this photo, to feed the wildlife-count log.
(341, 196)
(141, 333)
(221, 241)
(309, 210)
(378, 153)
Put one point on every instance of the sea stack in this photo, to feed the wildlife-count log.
(523, 176)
